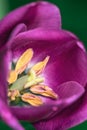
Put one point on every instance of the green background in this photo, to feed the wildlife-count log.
(74, 18)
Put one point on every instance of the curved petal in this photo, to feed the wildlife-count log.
(68, 93)
(51, 107)
(18, 29)
(4, 59)
(73, 115)
(67, 66)
(8, 117)
(65, 54)
(37, 14)
(41, 40)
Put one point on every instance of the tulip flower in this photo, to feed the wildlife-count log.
(43, 70)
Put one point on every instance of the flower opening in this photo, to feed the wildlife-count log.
(28, 87)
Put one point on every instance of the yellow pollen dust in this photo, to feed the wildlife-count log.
(21, 65)
(39, 67)
(32, 99)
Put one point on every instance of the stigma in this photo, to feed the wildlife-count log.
(29, 85)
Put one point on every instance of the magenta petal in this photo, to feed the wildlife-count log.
(8, 118)
(68, 59)
(70, 65)
(18, 29)
(42, 42)
(4, 59)
(47, 110)
(73, 115)
(38, 14)
(68, 93)
(32, 114)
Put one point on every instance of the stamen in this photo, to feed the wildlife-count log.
(32, 99)
(39, 67)
(12, 77)
(23, 61)
(21, 65)
(43, 90)
(13, 94)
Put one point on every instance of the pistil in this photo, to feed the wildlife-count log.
(34, 82)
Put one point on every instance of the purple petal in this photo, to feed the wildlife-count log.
(70, 65)
(18, 29)
(37, 14)
(4, 59)
(42, 41)
(73, 115)
(68, 93)
(8, 118)
(68, 58)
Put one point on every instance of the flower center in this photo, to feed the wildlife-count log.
(26, 86)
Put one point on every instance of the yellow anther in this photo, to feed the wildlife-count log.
(13, 94)
(21, 65)
(32, 99)
(44, 90)
(39, 67)
(12, 77)
(23, 61)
